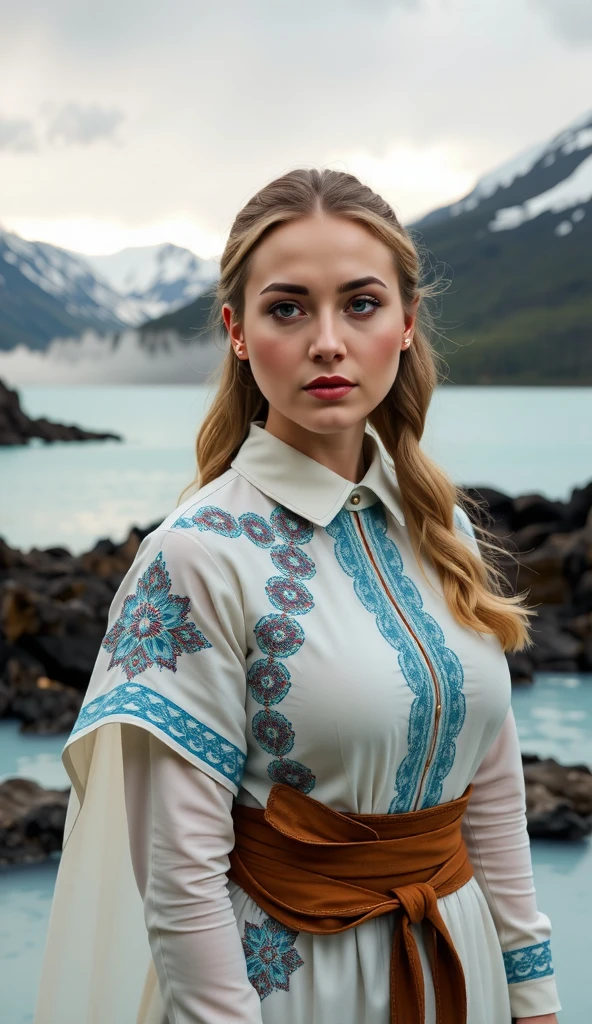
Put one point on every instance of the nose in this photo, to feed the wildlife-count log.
(328, 342)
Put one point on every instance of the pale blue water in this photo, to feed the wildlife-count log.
(515, 439)
(554, 718)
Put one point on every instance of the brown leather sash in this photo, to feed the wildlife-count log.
(318, 870)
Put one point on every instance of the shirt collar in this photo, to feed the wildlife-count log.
(310, 489)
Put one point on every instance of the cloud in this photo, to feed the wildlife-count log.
(572, 19)
(418, 96)
(75, 124)
(17, 135)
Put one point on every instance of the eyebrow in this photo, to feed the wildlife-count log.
(299, 289)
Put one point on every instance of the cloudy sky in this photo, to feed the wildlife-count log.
(132, 122)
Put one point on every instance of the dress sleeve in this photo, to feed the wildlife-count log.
(173, 658)
(180, 830)
(494, 828)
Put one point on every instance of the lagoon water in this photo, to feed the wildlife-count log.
(514, 439)
(66, 493)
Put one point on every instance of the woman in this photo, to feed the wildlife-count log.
(314, 633)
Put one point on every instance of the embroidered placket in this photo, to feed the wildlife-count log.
(422, 649)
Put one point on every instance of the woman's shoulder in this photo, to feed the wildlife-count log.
(223, 510)
(194, 513)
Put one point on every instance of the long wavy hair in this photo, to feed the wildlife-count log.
(474, 587)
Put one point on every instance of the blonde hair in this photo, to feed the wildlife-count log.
(473, 586)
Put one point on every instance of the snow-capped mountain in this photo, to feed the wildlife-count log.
(48, 292)
(552, 176)
(518, 253)
(157, 278)
(44, 289)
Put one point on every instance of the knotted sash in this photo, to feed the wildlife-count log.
(318, 870)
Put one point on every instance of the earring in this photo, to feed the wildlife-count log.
(407, 342)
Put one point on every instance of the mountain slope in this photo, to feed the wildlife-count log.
(46, 292)
(191, 321)
(159, 278)
(518, 253)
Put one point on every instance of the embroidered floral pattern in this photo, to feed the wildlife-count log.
(290, 526)
(292, 773)
(273, 732)
(292, 561)
(152, 627)
(529, 962)
(288, 595)
(270, 956)
(256, 529)
(209, 517)
(139, 701)
(278, 634)
(268, 680)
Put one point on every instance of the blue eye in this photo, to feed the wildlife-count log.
(289, 306)
(364, 300)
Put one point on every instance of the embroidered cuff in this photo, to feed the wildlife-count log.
(531, 980)
(528, 962)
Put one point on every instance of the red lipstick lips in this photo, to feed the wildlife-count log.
(329, 382)
(329, 388)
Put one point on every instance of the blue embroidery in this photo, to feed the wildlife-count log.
(270, 956)
(256, 529)
(292, 561)
(209, 517)
(142, 702)
(268, 680)
(152, 627)
(273, 732)
(446, 663)
(288, 595)
(291, 773)
(290, 526)
(352, 557)
(278, 635)
(529, 962)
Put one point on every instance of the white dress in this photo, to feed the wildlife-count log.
(277, 627)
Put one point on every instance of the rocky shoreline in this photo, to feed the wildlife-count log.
(549, 554)
(558, 806)
(17, 428)
(53, 616)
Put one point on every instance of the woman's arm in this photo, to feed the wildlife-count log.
(180, 829)
(494, 828)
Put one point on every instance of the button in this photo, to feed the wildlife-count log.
(355, 499)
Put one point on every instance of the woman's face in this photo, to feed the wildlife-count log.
(322, 299)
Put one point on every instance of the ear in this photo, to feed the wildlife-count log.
(410, 317)
(235, 332)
